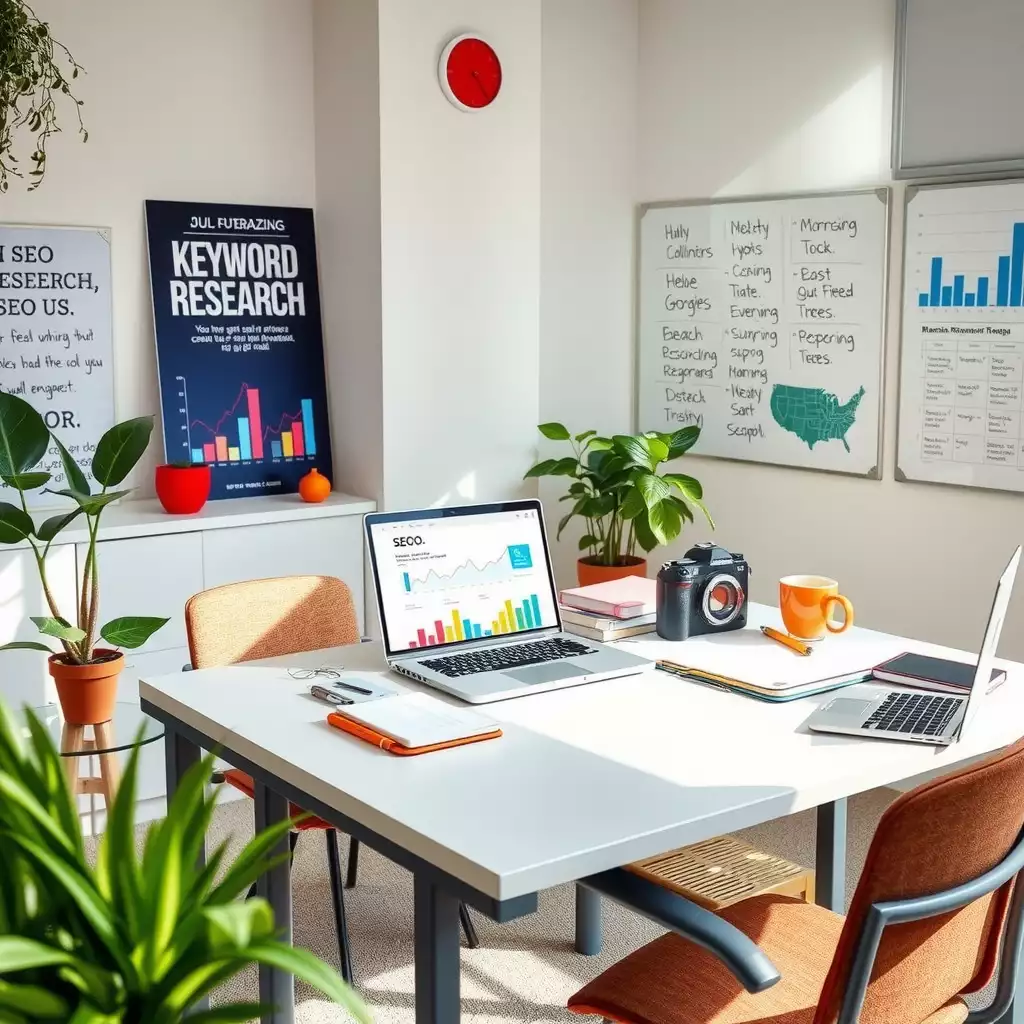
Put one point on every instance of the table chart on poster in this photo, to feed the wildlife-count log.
(761, 321)
(962, 356)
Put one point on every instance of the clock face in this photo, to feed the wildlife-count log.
(470, 72)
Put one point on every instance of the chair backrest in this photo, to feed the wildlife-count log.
(934, 838)
(268, 619)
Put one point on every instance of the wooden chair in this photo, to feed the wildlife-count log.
(924, 928)
(272, 618)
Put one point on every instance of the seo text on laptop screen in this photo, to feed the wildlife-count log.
(462, 577)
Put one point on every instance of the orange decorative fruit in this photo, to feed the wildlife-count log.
(314, 486)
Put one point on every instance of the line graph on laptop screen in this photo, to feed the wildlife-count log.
(462, 578)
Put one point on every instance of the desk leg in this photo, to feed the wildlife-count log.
(830, 857)
(277, 988)
(179, 755)
(588, 921)
(437, 953)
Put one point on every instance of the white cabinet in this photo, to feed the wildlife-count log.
(23, 675)
(149, 576)
(319, 547)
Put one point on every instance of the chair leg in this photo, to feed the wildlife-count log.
(472, 939)
(353, 863)
(337, 892)
(293, 841)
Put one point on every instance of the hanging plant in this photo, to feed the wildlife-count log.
(31, 84)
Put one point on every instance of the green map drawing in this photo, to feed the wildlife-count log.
(814, 414)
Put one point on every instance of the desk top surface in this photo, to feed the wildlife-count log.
(584, 779)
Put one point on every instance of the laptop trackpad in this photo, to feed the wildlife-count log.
(847, 706)
(545, 672)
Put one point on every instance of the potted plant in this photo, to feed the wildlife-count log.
(31, 85)
(625, 502)
(85, 674)
(137, 937)
(183, 487)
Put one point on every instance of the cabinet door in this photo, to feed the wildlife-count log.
(149, 576)
(23, 675)
(316, 547)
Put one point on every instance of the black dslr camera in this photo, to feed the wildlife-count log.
(705, 592)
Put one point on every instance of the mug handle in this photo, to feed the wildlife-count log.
(826, 606)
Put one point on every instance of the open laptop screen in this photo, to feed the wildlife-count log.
(448, 576)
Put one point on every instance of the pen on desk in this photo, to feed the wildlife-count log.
(352, 688)
(787, 641)
(322, 693)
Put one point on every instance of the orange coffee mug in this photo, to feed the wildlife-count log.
(805, 603)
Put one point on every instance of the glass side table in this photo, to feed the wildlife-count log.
(108, 739)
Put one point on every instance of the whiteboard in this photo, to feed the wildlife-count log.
(957, 88)
(55, 339)
(962, 356)
(762, 321)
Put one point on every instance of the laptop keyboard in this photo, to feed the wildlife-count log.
(919, 713)
(496, 659)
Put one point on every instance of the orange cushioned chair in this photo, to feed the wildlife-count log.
(923, 929)
(273, 618)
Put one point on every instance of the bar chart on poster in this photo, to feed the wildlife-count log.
(962, 355)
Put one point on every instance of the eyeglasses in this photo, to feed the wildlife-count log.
(313, 673)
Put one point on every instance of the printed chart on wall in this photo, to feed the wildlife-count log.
(55, 339)
(236, 307)
(962, 355)
(450, 579)
(762, 322)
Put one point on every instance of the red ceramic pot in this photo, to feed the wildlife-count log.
(182, 490)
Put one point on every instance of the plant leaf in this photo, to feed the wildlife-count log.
(542, 468)
(131, 631)
(26, 481)
(15, 524)
(26, 645)
(688, 485)
(588, 540)
(554, 431)
(90, 504)
(49, 528)
(564, 467)
(632, 505)
(20, 954)
(120, 448)
(585, 435)
(77, 480)
(23, 435)
(665, 521)
(39, 1003)
(658, 449)
(634, 448)
(60, 628)
(682, 441)
(653, 489)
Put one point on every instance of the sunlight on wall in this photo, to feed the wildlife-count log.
(844, 145)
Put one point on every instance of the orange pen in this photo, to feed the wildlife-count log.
(787, 641)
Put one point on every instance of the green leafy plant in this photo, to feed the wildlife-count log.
(31, 83)
(617, 489)
(134, 938)
(24, 440)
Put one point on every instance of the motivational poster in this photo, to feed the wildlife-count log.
(236, 306)
(55, 338)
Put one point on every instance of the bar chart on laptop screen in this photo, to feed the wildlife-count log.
(462, 578)
(962, 352)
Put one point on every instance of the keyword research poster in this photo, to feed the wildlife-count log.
(55, 340)
(236, 306)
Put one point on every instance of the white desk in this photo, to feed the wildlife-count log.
(584, 779)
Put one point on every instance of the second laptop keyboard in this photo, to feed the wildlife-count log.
(915, 713)
(496, 659)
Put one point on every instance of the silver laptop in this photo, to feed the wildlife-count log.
(467, 603)
(919, 717)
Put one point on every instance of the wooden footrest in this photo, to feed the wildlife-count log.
(723, 871)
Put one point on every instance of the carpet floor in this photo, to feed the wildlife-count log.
(524, 970)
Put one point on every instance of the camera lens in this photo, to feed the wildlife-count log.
(723, 598)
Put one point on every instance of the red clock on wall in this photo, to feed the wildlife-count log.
(469, 72)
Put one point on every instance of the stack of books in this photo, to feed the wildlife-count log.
(610, 611)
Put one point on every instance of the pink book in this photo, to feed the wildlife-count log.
(622, 599)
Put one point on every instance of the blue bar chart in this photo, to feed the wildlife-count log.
(958, 295)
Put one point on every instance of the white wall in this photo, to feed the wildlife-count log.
(745, 97)
(180, 103)
(588, 162)
(460, 256)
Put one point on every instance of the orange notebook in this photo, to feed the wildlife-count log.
(393, 746)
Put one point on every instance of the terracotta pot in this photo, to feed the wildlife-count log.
(87, 693)
(314, 486)
(589, 571)
(182, 490)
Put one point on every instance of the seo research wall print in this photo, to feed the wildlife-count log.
(55, 338)
(236, 304)
(962, 359)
